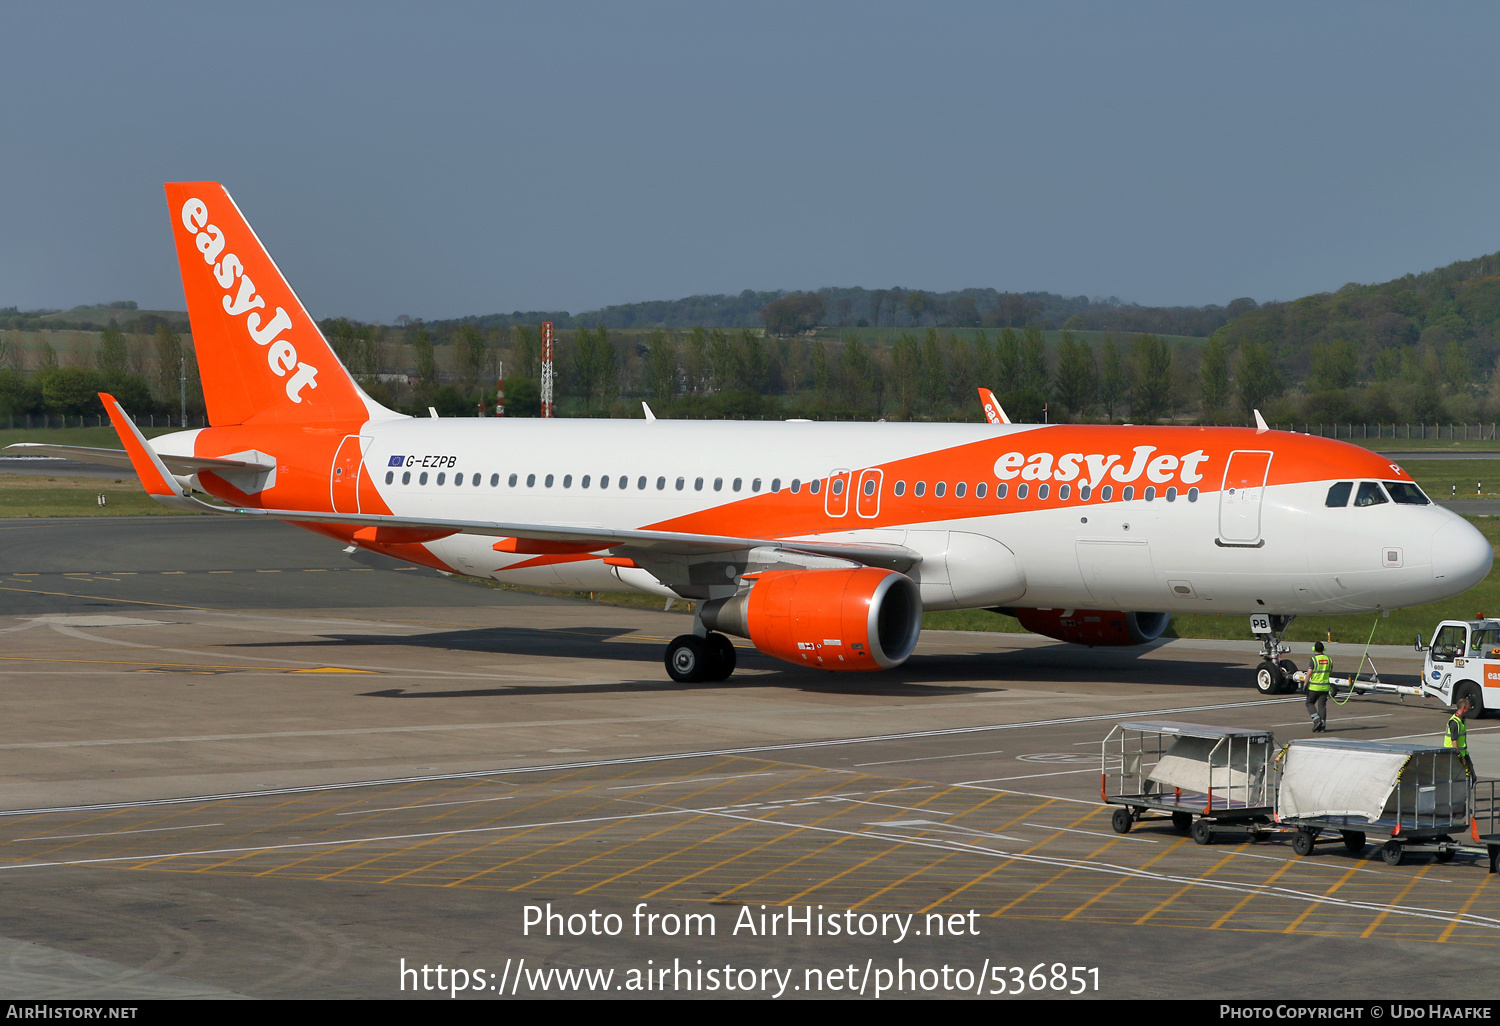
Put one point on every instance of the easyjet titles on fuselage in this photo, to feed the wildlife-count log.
(1157, 469)
(281, 355)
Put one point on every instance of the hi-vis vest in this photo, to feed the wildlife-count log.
(1318, 679)
(1461, 742)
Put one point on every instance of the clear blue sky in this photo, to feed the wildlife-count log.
(447, 159)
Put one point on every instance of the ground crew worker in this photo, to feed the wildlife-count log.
(1457, 736)
(1318, 687)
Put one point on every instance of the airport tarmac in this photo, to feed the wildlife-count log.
(240, 763)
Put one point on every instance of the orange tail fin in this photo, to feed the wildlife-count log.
(260, 355)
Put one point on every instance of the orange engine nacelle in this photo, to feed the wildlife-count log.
(1093, 626)
(856, 619)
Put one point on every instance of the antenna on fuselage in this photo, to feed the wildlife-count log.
(649, 414)
(1260, 422)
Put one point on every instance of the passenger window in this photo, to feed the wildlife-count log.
(1063, 491)
(1084, 491)
(719, 484)
(512, 481)
(1172, 494)
(423, 478)
(682, 480)
(900, 488)
(796, 486)
(1338, 495)
(1129, 495)
(603, 481)
(920, 489)
(406, 477)
(697, 485)
(940, 489)
(815, 486)
(585, 482)
(1002, 490)
(441, 477)
(1369, 494)
(775, 484)
(1192, 495)
(1042, 491)
(1406, 493)
(478, 478)
(1107, 493)
(567, 480)
(390, 476)
(959, 489)
(661, 483)
(1150, 493)
(980, 490)
(625, 481)
(870, 486)
(838, 486)
(546, 481)
(495, 481)
(1022, 491)
(641, 482)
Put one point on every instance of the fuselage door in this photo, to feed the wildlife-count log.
(836, 499)
(1240, 497)
(867, 493)
(343, 486)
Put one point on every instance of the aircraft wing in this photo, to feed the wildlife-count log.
(516, 537)
(181, 465)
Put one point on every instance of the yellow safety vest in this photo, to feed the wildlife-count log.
(1462, 741)
(1318, 679)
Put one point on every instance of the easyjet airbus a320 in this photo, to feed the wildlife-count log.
(822, 543)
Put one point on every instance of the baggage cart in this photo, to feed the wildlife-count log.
(1416, 797)
(1484, 824)
(1207, 780)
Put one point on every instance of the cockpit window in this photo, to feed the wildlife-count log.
(1406, 493)
(1369, 494)
(1338, 495)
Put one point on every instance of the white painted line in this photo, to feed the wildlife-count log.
(1091, 833)
(904, 808)
(115, 833)
(933, 758)
(1033, 776)
(430, 805)
(689, 780)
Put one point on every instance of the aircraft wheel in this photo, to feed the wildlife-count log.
(1354, 840)
(1268, 678)
(1203, 833)
(688, 659)
(1393, 853)
(1287, 668)
(1302, 842)
(721, 657)
(1121, 820)
(1183, 821)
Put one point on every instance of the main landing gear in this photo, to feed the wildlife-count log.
(693, 660)
(1274, 674)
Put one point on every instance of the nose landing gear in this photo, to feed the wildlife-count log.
(1274, 675)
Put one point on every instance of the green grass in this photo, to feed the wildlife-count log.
(1435, 444)
(1438, 477)
(28, 495)
(94, 437)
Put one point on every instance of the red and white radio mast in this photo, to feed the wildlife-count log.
(546, 368)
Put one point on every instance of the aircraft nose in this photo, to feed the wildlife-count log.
(1461, 556)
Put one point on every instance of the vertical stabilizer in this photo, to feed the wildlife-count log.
(260, 355)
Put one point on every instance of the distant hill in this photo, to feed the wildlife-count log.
(96, 317)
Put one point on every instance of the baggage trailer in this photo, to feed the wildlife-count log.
(1485, 823)
(1207, 780)
(1416, 796)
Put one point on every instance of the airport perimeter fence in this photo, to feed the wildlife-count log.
(31, 421)
(1456, 432)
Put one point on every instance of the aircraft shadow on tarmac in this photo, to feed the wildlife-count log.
(923, 675)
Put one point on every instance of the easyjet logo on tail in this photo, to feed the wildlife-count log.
(241, 300)
(1092, 468)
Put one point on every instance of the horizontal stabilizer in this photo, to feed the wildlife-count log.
(180, 465)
